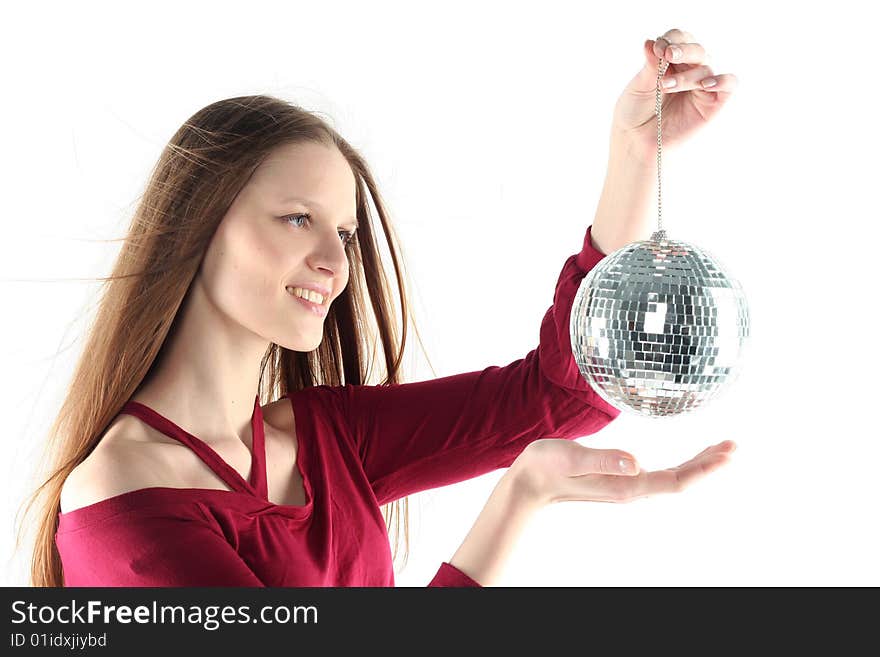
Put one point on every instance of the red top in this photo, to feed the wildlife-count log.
(359, 447)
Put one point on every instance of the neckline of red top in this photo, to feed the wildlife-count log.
(244, 493)
(256, 484)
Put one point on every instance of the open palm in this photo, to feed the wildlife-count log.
(553, 470)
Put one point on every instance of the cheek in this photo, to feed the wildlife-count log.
(243, 272)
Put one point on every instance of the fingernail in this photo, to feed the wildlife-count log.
(668, 82)
(627, 466)
(709, 82)
(676, 53)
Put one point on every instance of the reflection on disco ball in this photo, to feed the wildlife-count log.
(658, 327)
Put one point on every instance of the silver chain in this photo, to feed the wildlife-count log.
(660, 234)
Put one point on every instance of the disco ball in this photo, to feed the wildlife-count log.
(658, 327)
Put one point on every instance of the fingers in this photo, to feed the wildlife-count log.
(605, 461)
(700, 78)
(676, 480)
(727, 446)
(680, 52)
(605, 488)
(673, 36)
(678, 47)
(677, 35)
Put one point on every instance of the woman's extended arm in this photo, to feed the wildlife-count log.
(414, 436)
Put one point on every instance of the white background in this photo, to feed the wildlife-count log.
(486, 124)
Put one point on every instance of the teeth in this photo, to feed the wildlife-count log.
(314, 297)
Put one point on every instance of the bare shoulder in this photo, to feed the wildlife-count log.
(132, 455)
(121, 462)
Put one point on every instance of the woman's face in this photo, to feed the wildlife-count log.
(264, 247)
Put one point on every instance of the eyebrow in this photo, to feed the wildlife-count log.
(306, 201)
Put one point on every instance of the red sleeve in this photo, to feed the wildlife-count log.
(416, 436)
(134, 549)
(449, 575)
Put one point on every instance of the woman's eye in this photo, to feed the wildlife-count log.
(294, 216)
(345, 236)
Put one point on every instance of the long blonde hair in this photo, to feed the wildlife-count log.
(198, 175)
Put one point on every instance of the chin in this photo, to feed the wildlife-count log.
(302, 345)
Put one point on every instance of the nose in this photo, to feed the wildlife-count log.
(329, 253)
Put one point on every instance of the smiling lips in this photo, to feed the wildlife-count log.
(311, 300)
(312, 295)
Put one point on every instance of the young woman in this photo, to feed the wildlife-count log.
(247, 274)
